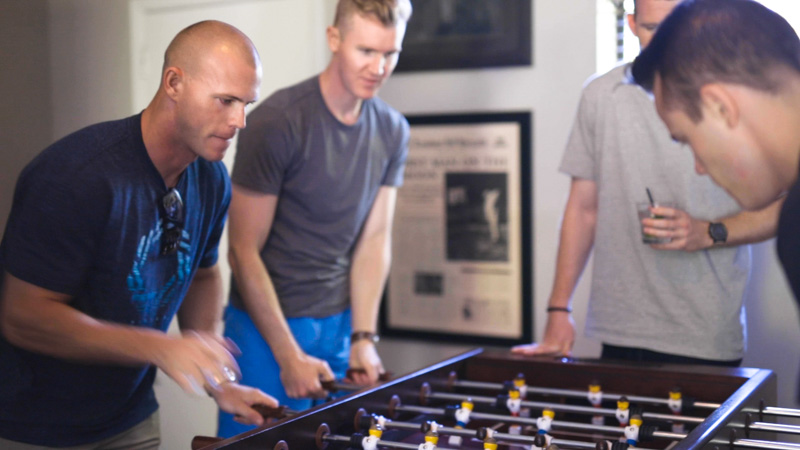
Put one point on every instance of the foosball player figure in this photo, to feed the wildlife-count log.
(545, 422)
(487, 435)
(609, 445)
(431, 430)
(675, 404)
(462, 419)
(514, 404)
(595, 397)
(539, 442)
(370, 442)
(623, 411)
(522, 387)
(632, 430)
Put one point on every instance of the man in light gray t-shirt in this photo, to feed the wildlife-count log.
(680, 301)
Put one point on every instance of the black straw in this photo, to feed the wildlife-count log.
(650, 196)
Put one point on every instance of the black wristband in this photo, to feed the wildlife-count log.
(565, 309)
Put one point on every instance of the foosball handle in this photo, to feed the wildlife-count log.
(383, 377)
(269, 412)
(199, 442)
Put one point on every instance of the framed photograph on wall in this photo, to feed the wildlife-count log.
(461, 247)
(459, 34)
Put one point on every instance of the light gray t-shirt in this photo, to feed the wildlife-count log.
(326, 175)
(673, 302)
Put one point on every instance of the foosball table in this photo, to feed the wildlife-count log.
(496, 400)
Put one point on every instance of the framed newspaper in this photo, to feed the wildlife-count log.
(461, 247)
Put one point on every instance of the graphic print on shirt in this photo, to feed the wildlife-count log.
(153, 298)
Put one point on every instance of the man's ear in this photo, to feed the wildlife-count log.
(173, 81)
(718, 101)
(334, 35)
(632, 24)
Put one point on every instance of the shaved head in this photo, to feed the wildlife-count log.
(195, 42)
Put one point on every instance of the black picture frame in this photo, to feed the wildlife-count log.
(466, 34)
(429, 282)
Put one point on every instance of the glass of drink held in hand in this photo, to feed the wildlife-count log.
(644, 212)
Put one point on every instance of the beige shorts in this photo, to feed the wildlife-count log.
(144, 436)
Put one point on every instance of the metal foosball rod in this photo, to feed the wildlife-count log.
(758, 444)
(774, 411)
(573, 393)
(469, 433)
(565, 408)
(532, 421)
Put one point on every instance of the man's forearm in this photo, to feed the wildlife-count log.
(749, 227)
(32, 321)
(370, 269)
(575, 245)
(262, 305)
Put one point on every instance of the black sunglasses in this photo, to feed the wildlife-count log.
(172, 223)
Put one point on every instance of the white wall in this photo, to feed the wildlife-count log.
(25, 118)
(89, 47)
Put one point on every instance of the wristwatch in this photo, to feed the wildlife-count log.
(367, 335)
(718, 232)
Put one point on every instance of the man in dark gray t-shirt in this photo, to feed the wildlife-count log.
(314, 188)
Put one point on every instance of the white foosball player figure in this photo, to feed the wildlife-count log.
(545, 422)
(462, 419)
(595, 397)
(675, 404)
(632, 430)
(623, 410)
(370, 442)
(380, 420)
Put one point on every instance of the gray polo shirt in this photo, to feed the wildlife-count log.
(674, 302)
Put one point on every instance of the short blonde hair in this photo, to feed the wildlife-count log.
(388, 12)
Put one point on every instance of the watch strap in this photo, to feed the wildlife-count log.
(364, 335)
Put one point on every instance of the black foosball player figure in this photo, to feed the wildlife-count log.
(462, 419)
(595, 397)
(539, 442)
(623, 411)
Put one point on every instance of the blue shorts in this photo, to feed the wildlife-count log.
(326, 338)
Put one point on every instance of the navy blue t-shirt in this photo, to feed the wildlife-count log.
(86, 222)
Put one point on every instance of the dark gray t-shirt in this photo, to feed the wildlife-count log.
(327, 175)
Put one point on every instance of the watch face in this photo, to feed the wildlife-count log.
(718, 232)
